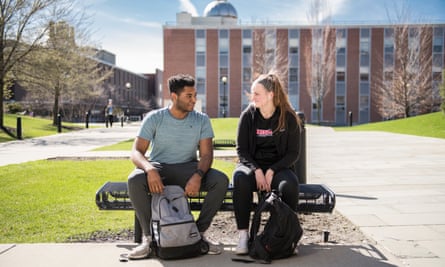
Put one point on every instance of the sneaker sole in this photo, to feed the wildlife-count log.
(138, 257)
(241, 252)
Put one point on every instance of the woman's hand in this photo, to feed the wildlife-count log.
(261, 182)
(269, 177)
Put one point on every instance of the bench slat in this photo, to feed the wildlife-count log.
(312, 198)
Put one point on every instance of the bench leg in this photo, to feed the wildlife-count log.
(137, 230)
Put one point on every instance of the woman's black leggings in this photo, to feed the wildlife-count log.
(284, 181)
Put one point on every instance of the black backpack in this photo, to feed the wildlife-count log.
(281, 233)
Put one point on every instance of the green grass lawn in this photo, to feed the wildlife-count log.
(33, 127)
(54, 201)
(431, 125)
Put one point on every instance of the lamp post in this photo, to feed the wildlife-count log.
(224, 81)
(128, 86)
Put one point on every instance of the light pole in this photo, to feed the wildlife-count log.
(224, 81)
(128, 86)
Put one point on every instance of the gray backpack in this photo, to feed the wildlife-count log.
(175, 234)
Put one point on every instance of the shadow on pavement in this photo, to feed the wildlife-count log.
(329, 255)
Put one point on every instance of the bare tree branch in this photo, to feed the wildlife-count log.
(322, 62)
(405, 88)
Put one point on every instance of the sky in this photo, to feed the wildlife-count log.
(132, 29)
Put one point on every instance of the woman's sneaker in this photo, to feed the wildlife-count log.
(242, 248)
(142, 251)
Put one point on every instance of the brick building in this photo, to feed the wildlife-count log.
(226, 56)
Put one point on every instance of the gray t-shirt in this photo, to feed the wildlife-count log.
(173, 140)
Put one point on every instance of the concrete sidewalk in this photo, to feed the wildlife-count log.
(107, 255)
(70, 144)
(391, 186)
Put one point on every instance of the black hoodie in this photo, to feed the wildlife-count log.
(287, 141)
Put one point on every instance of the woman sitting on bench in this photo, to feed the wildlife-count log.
(268, 146)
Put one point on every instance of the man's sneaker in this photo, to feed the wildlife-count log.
(142, 251)
(242, 248)
(214, 248)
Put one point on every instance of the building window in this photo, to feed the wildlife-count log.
(247, 75)
(364, 77)
(341, 61)
(294, 67)
(438, 40)
(293, 74)
(340, 85)
(200, 71)
(247, 58)
(247, 34)
(364, 94)
(200, 59)
(224, 89)
(340, 76)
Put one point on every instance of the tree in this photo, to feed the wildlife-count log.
(23, 27)
(322, 61)
(63, 71)
(268, 54)
(405, 87)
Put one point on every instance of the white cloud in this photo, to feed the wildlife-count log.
(145, 24)
(186, 5)
(136, 52)
(291, 11)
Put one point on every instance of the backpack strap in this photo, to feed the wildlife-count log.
(257, 217)
(255, 247)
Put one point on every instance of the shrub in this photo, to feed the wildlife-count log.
(14, 107)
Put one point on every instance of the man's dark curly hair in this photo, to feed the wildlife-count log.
(177, 82)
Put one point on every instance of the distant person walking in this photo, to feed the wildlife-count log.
(109, 113)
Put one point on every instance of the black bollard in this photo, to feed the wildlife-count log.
(19, 128)
(122, 121)
(350, 118)
(300, 165)
(59, 123)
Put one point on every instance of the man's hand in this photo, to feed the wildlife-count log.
(193, 185)
(155, 182)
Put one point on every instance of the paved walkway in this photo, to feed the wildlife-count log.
(391, 186)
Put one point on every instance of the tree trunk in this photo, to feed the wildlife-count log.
(319, 103)
(2, 126)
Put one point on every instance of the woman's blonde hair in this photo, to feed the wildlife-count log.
(272, 83)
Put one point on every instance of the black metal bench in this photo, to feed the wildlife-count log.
(312, 198)
(224, 143)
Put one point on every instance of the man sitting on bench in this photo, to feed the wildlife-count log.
(175, 133)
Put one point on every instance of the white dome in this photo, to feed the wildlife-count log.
(220, 8)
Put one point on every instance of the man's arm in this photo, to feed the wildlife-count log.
(205, 154)
(140, 147)
(205, 162)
